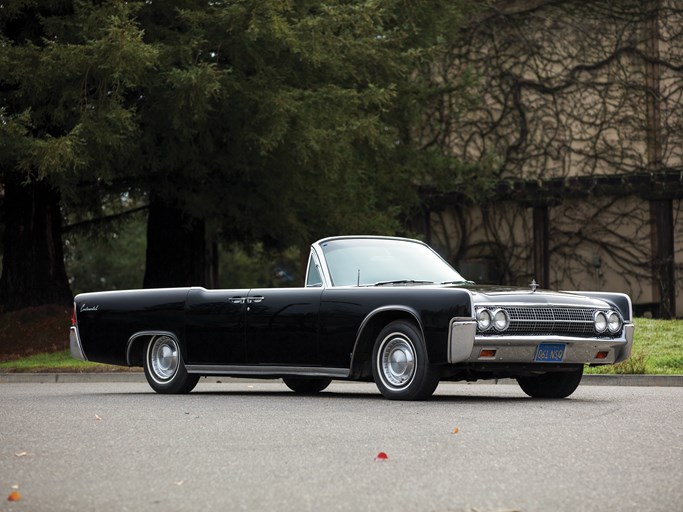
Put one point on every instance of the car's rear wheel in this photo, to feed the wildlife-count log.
(400, 365)
(552, 384)
(306, 386)
(164, 367)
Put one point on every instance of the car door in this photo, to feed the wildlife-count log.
(215, 326)
(282, 326)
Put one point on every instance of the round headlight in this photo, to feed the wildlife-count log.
(501, 319)
(600, 321)
(484, 319)
(613, 322)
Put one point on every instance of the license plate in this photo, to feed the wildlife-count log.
(550, 353)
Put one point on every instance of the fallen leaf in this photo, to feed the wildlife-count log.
(179, 482)
(14, 496)
(97, 417)
(21, 454)
(455, 430)
(381, 456)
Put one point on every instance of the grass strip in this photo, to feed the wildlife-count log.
(58, 362)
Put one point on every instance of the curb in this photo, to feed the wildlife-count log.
(139, 377)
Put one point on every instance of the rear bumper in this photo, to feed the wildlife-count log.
(75, 345)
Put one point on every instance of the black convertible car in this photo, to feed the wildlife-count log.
(390, 310)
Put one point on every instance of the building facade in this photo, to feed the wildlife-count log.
(578, 126)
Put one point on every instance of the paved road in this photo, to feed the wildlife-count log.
(255, 446)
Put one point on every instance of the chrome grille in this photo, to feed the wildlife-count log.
(549, 320)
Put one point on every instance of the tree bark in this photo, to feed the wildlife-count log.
(33, 271)
(176, 247)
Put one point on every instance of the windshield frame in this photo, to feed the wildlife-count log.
(355, 250)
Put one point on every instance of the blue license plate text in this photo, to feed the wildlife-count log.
(550, 353)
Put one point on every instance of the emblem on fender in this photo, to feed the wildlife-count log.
(89, 308)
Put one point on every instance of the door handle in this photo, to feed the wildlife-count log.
(237, 300)
(257, 298)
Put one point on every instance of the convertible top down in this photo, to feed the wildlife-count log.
(382, 309)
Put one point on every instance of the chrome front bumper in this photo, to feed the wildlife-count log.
(75, 345)
(464, 346)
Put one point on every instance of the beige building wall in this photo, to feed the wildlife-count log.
(603, 244)
(573, 94)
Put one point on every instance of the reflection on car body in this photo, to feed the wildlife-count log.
(382, 309)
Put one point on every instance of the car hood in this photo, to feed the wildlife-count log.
(505, 295)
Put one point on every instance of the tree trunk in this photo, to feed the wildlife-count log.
(176, 247)
(33, 271)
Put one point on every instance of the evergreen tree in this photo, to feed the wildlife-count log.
(282, 122)
(251, 120)
(66, 120)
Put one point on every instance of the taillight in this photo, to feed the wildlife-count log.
(73, 316)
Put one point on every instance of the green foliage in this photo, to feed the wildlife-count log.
(636, 364)
(276, 122)
(107, 259)
(257, 267)
(65, 76)
(657, 348)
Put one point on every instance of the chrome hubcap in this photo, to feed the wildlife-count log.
(397, 361)
(164, 357)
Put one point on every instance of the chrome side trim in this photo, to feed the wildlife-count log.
(267, 371)
(461, 335)
(75, 345)
(130, 341)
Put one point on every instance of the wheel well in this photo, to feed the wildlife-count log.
(361, 362)
(135, 348)
(135, 353)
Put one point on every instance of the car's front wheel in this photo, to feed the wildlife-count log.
(306, 386)
(400, 365)
(551, 384)
(164, 367)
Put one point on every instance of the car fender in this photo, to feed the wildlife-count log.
(370, 327)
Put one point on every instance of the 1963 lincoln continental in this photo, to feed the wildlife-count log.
(388, 310)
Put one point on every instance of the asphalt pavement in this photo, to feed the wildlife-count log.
(588, 380)
(257, 446)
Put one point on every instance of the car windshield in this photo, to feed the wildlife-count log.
(372, 261)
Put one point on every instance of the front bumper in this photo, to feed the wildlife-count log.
(464, 346)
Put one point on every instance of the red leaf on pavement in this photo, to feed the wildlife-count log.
(381, 456)
(14, 496)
